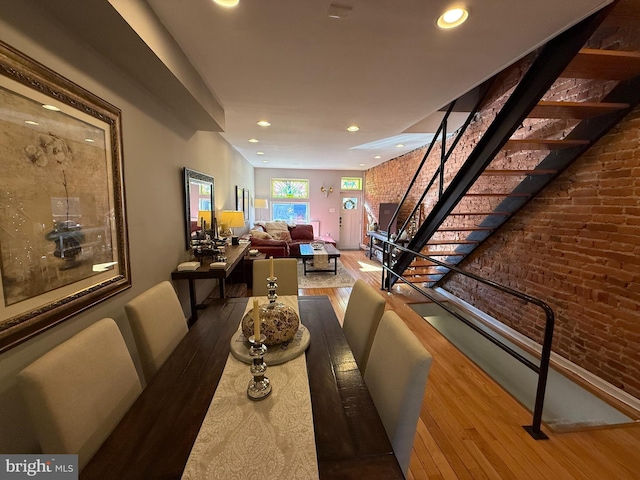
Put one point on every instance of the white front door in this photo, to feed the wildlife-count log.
(350, 220)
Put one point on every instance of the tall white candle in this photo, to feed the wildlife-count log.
(256, 320)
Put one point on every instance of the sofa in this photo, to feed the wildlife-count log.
(278, 239)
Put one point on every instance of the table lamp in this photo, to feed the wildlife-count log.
(261, 204)
(233, 219)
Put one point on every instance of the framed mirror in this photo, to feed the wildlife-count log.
(199, 203)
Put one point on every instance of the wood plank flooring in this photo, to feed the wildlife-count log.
(470, 428)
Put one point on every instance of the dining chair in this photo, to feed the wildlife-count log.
(78, 392)
(158, 324)
(396, 377)
(364, 309)
(286, 271)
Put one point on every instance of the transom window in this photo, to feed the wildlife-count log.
(350, 183)
(289, 188)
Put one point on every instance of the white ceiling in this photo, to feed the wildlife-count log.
(385, 68)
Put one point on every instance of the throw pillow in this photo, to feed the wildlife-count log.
(261, 235)
(276, 225)
(282, 235)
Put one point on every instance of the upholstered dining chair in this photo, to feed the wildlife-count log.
(364, 309)
(396, 377)
(78, 392)
(158, 324)
(285, 269)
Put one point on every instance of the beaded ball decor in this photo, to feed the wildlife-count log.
(278, 322)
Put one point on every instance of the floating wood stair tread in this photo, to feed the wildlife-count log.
(509, 194)
(460, 214)
(517, 173)
(464, 229)
(451, 253)
(574, 110)
(420, 262)
(542, 144)
(452, 242)
(603, 65)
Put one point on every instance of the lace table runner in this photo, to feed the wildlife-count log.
(272, 438)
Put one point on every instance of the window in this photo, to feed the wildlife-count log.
(290, 212)
(289, 188)
(350, 183)
(350, 203)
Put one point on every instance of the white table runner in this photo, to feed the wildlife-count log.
(270, 438)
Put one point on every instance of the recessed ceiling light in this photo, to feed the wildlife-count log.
(253, 140)
(51, 107)
(264, 123)
(400, 145)
(227, 3)
(259, 153)
(265, 161)
(453, 18)
(353, 128)
(377, 156)
(361, 164)
(31, 122)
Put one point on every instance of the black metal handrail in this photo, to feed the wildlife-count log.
(542, 370)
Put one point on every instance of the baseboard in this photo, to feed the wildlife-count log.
(556, 360)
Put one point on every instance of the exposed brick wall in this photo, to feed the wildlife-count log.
(577, 247)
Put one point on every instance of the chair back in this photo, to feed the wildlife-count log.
(285, 269)
(396, 377)
(79, 391)
(158, 324)
(364, 309)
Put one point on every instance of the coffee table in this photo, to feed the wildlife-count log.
(307, 253)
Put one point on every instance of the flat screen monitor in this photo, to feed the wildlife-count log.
(384, 217)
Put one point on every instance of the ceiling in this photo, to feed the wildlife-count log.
(386, 67)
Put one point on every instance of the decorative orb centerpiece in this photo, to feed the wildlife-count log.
(278, 322)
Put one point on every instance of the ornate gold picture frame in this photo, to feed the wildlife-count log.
(63, 229)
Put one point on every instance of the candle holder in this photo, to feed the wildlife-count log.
(271, 287)
(259, 387)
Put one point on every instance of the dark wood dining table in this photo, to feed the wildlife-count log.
(155, 437)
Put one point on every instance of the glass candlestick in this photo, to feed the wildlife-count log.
(259, 386)
(271, 287)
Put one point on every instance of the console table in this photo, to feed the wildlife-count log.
(235, 254)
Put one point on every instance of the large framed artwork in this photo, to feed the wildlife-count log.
(63, 229)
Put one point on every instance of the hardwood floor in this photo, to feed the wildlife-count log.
(470, 428)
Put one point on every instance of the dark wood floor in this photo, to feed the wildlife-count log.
(470, 428)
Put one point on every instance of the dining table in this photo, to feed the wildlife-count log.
(155, 437)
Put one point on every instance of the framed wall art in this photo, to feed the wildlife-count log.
(63, 229)
(239, 199)
(245, 204)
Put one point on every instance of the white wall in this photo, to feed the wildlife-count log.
(156, 148)
(320, 206)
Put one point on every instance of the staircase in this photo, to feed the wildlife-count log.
(569, 97)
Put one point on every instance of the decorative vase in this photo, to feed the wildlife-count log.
(278, 323)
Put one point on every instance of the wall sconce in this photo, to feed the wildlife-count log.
(326, 191)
